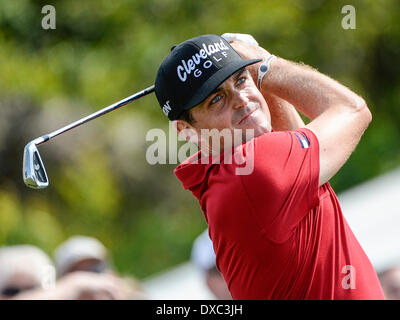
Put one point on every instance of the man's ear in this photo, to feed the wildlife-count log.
(185, 130)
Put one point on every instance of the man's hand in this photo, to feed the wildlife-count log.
(243, 37)
(248, 48)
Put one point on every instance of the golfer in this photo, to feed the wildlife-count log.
(278, 230)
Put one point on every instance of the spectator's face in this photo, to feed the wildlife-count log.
(18, 283)
(89, 265)
(235, 104)
(391, 284)
(217, 286)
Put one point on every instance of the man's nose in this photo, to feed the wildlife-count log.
(240, 99)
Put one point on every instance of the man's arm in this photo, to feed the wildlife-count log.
(284, 117)
(339, 116)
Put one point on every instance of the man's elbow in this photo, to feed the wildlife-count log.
(366, 114)
(363, 111)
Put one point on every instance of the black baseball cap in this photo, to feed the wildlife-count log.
(192, 70)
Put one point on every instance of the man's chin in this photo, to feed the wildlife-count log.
(259, 130)
(250, 133)
(257, 127)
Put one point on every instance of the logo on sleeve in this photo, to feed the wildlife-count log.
(303, 140)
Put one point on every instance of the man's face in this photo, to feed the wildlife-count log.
(235, 104)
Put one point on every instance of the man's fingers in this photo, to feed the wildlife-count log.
(247, 38)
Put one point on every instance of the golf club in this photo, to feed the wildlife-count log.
(33, 170)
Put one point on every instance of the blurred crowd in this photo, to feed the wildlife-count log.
(82, 269)
(203, 257)
(390, 281)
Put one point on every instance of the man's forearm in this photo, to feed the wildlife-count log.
(306, 89)
(284, 117)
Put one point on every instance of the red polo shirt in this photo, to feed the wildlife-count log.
(276, 234)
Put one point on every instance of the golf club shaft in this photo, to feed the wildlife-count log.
(95, 115)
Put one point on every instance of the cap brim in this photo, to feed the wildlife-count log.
(216, 79)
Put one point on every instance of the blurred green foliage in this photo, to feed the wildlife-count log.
(103, 51)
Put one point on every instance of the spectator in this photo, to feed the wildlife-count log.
(24, 268)
(203, 257)
(80, 253)
(390, 280)
(80, 285)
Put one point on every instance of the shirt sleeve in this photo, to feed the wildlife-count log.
(283, 186)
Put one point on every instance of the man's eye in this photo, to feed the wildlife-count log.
(216, 99)
(241, 80)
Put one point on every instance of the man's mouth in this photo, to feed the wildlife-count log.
(246, 116)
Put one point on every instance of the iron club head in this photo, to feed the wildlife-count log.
(33, 170)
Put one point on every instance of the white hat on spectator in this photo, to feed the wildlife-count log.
(26, 262)
(78, 248)
(203, 255)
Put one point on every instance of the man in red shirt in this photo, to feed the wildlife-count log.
(277, 228)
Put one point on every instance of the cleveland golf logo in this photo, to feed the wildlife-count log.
(186, 68)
